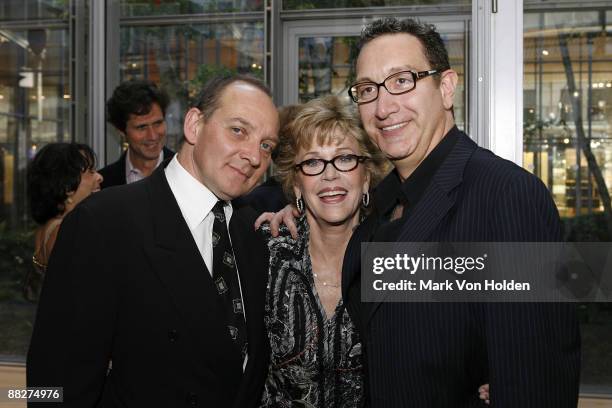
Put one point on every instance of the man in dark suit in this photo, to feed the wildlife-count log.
(445, 188)
(142, 286)
(137, 110)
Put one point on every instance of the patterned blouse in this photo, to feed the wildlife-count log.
(315, 362)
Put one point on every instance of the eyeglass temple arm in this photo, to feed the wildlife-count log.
(426, 73)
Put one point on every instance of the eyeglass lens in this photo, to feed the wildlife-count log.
(397, 83)
(312, 167)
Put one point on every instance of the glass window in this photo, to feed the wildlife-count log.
(568, 144)
(132, 8)
(35, 109)
(33, 9)
(182, 58)
(326, 66)
(323, 4)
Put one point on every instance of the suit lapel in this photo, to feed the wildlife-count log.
(114, 173)
(363, 234)
(177, 262)
(438, 199)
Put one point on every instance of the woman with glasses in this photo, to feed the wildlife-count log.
(326, 164)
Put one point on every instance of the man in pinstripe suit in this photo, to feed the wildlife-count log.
(445, 188)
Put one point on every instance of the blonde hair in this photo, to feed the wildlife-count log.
(322, 121)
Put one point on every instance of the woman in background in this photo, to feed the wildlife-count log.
(60, 176)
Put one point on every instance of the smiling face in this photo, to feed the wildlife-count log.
(231, 151)
(332, 197)
(146, 134)
(405, 127)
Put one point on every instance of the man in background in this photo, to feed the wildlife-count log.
(137, 109)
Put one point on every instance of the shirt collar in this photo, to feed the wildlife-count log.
(194, 199)
(129, 167)
(415, 185)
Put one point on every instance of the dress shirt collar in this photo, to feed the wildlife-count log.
(134, 174)
(194, 199)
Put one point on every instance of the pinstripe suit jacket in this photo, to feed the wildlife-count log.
(421, 355)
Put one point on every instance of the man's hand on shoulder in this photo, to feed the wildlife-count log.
(285, 216)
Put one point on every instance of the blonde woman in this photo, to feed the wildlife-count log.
(326, 165)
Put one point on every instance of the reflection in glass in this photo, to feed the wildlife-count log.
(326, 66)
(567, 99)
(35, 102)
(182, 58)
(568, 144)
(323, 4)
(132, 8)
(34, 106)
(33, 9)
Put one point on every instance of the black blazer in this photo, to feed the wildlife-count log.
(114, 173)
(268, 196)
(437, 354)
(126, 283)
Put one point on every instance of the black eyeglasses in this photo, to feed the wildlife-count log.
(396, 84)
(343, 162)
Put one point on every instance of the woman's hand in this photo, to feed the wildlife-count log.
(483, 390)
(285, 216)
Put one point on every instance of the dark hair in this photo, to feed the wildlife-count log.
(52, 174)
(134, 97)
(286, 114)
(207, 100)
(433, 46)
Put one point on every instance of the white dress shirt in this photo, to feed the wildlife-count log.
(132, 174)
(196, 203)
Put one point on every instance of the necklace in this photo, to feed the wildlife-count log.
(38, 263)
(337, 285)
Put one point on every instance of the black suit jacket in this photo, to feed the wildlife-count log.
(127, 283)
(267, 197)
(114, 173)
(437, 354)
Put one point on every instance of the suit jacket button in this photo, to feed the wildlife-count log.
(172, 335)
(193, 399)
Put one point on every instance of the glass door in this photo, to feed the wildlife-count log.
(318, 58)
